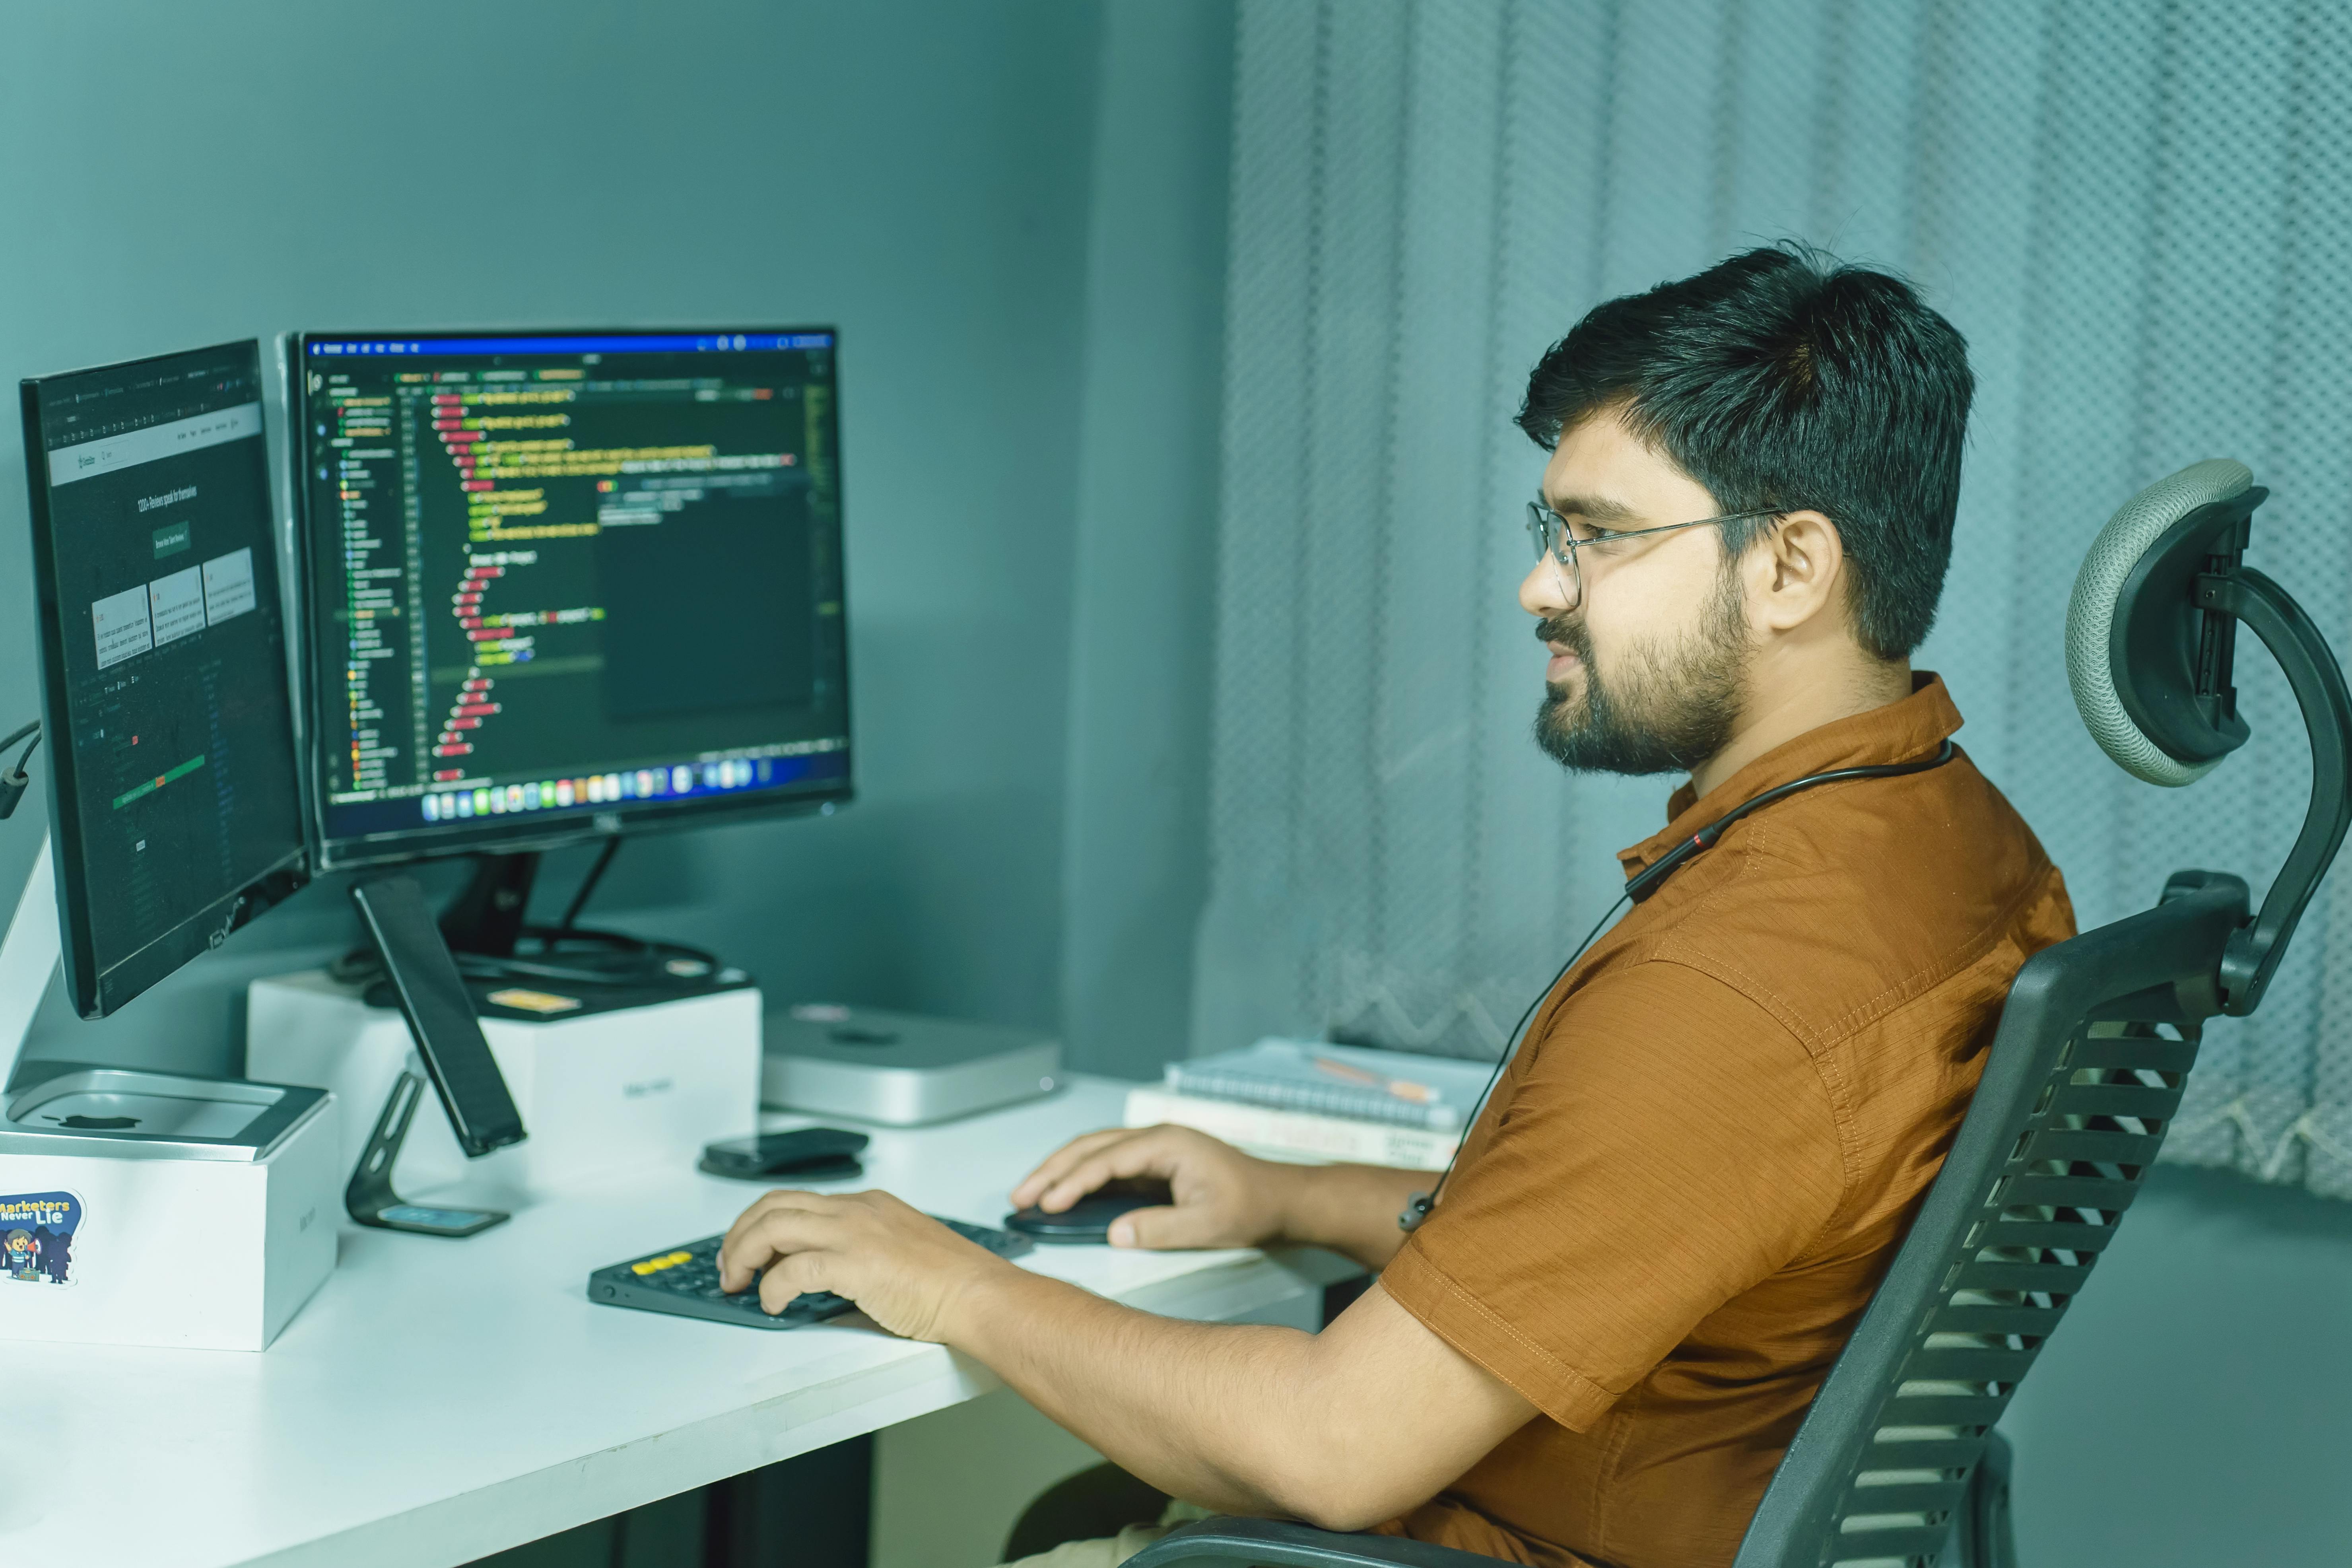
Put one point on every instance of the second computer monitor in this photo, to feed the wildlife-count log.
(560, 583)
(169, 737)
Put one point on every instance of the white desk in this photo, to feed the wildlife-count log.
(437, 1400)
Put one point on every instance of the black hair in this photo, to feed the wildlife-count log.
(1784, 380)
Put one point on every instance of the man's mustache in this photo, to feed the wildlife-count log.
(1567, 631)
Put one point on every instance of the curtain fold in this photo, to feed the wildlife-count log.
(2137, 214)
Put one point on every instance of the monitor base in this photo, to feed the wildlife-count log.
(489, 930)
(495, 946)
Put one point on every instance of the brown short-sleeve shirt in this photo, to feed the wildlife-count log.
(1678, 1200)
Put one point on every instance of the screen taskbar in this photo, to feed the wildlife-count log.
(584, 794)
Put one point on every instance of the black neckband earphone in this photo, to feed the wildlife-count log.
(1639, 888)
(1675, 859)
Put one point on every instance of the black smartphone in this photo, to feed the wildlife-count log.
(1089, 1218)
(807, 1155)
(440, 1015)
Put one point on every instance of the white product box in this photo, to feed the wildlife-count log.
(141, 1208)
(598, 1093)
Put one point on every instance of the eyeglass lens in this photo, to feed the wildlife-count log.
(1548, 530)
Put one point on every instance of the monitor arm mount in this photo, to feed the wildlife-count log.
(28, 950)
(13, 781)
(2171, 651)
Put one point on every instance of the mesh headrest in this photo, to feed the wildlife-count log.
(2090, 616)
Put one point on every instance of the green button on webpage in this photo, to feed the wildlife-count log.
(141, 791)
(171, 541)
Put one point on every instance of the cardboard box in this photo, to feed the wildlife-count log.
(141, 1208)
(599, 1093)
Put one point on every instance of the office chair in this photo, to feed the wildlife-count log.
(1898, 1459)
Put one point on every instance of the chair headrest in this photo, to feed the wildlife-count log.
(2095, 615)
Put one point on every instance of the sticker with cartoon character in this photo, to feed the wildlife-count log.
(37, 1236)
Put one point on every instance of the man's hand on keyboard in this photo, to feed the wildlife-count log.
(901, 1267)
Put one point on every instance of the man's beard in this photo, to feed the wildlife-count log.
(1666, 711)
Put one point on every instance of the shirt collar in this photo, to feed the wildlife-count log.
(1896, 733)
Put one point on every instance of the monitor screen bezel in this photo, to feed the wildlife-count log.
(498, 835)
(204, 930)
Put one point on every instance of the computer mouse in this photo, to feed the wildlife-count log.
(1089, 1218)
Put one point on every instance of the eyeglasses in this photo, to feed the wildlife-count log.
(1555, 538)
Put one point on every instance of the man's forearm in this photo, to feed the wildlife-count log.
(1350, 1209)
(1208, 1413)
(1345, 1428)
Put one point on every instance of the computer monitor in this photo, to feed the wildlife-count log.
(174, 792)
(561, 585)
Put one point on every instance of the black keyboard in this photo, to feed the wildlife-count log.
(684, 1281)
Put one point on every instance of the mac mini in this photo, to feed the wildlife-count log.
(899, 1069)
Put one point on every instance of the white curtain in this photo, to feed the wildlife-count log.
(2140, 215)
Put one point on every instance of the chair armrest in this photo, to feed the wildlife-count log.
(1276, 1543)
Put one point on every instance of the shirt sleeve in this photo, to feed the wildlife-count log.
(1667, 1145)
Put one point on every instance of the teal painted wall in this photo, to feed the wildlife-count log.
(922, 175)
(1136, 832)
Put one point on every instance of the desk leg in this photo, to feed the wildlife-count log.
(812, 1511)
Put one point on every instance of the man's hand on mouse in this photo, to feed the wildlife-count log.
(1222, 1196)
(904, 1270)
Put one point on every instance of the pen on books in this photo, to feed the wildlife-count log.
(1403, 1088)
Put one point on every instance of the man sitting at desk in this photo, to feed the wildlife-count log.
(1675, 1204)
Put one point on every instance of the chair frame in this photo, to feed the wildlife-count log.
(2085, 1072)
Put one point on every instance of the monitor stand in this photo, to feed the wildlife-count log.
(487, 917)
(488, 921)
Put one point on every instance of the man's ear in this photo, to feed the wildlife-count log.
(1799, 571)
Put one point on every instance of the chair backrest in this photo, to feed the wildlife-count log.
(2082, 1078)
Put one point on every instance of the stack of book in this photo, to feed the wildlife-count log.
(1308, 1100)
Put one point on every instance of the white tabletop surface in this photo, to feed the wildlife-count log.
(437, 1400)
